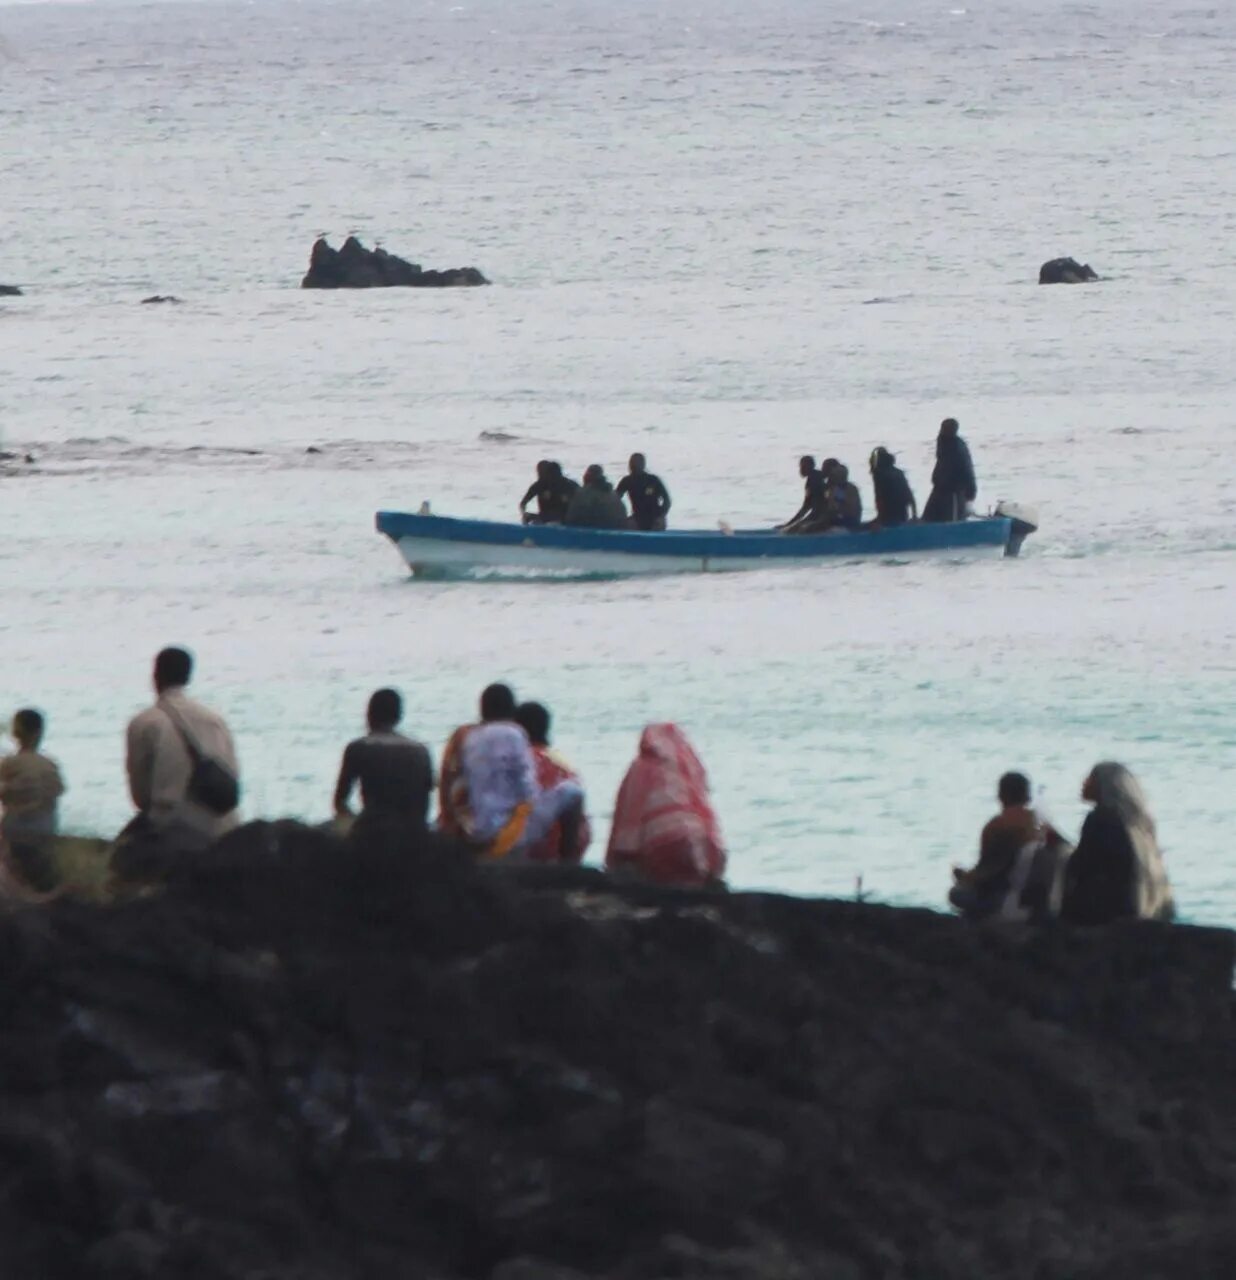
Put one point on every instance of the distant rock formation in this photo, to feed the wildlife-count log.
(325, 1061)
(9, 291)
(156, 298)
(1066, 271)
(352, 266)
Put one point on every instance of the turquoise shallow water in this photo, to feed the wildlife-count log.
(723, 237)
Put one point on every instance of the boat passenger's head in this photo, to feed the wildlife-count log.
(535, 721)
(497, 703)
(949, 428)
(840, 473)
(544, 469)
(173, 668)
(385, 710)
(595, 474)
(881, 458)
(637, 463)
(1014, 789)
(829, 467)
(806, 465)
(28, 728)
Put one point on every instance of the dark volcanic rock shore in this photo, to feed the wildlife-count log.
(310, 1060)
(352, 266)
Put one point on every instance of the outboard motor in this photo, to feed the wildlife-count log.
(1025, 522)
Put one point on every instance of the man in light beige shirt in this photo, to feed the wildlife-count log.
(160, 763)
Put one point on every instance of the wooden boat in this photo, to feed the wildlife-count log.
(439, 546)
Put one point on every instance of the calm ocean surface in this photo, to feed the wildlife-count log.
(723, 233)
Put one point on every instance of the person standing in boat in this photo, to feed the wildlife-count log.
(552, 491)
(815, 503)
(894, 499)
(595, 505)
(953, 487)
(649, 498)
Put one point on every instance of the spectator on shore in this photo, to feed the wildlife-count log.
(953, 487)
(395, 773)
(664, 826)
(1019, 859)
(183, 774)
(507, 812)
(1116, 871)
(454, 814)
(551, 769)
(30, 787)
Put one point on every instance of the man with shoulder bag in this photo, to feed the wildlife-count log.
(183, 774)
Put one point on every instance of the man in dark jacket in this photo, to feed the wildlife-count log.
(953, 488)
(595, 505)
(894, 498)
(552, 491)
(650, 500)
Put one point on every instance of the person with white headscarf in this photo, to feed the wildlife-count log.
(1116, 872)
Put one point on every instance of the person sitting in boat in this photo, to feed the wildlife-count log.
(814, 505)
(664, 827)
(1116, 871)
(953, 487)
(894, 499)
(595, 505)
(552, 491)
(845, 503)
(551, 769)
(649, 498)
(1008, 848)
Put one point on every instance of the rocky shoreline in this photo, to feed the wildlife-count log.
(328, 1061)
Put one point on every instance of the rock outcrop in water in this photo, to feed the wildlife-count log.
(352, 266)
(331, 1062)
(9, 291)
(1066, 271)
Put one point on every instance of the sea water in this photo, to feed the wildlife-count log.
(723, 233)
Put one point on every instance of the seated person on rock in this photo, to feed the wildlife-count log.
(30, 788)
(595, 505)
(814, 498)
(551, 769)
(650, 500)
(664, 827)
(395, 772)
(552, 491)
(1116, 871)
(894, 499)
(507, 812)
(1013, 878)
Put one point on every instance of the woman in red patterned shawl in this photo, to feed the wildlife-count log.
(664, 826)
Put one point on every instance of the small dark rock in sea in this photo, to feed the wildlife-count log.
(313, 448)
(157, 298)
(333, 1061)
(352, 266)
(1066, 271)
(9, 291)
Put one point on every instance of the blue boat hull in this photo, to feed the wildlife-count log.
(438, 546)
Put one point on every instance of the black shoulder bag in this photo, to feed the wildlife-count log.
(211, 783)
